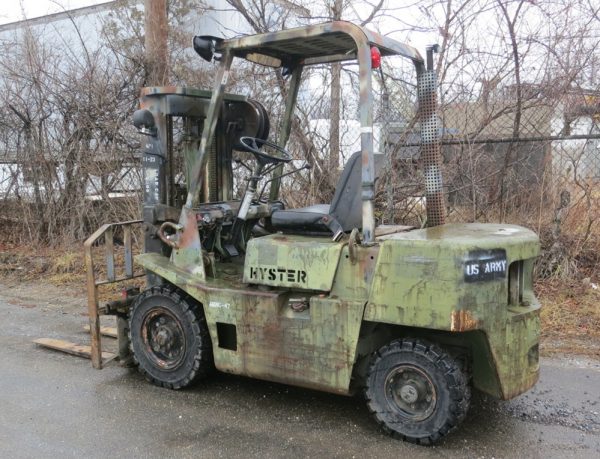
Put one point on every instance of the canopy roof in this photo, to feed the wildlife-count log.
(327, 42)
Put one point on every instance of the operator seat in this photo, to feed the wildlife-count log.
(342, 215)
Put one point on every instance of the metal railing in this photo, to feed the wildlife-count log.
(108, 232)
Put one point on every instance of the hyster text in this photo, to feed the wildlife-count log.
(278, 274)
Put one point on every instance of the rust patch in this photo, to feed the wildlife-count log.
(463, 321)
(189, 235)
(281, 237)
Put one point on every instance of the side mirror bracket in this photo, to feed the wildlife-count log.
(205, 46)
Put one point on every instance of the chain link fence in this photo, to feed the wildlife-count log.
(513, 154)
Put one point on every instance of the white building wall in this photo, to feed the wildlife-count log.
(69, 30)
(72, 33)
(579, 158)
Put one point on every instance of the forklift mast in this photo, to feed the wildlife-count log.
(172, 119)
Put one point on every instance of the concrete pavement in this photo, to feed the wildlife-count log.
(54, 405)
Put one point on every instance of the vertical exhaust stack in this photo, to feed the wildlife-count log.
(430, 142)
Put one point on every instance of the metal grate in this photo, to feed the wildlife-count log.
(430, 148)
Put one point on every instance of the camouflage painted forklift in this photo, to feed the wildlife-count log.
(319, 297)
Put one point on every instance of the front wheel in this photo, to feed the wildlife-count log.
(416, 391)
(169, 338)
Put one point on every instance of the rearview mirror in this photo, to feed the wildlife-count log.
(143, 120)
(263, 59)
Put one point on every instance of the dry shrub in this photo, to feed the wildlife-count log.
(66, 263)
(570, 316)
(570, 234)
(32, 262)
(570, 308)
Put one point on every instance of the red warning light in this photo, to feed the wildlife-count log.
(375, 57)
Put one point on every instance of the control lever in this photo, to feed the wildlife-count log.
(306, 166)
(239, 161)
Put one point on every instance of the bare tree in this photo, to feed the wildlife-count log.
(156, 32)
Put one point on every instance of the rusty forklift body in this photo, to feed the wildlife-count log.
(320, 297)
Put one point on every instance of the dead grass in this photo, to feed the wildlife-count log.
(65, 268)
(55, 265)
(570, 316)
(60, 266)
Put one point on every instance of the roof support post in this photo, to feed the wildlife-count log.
(286, 127)
(366, 140)
(208, 130)
(187, 251)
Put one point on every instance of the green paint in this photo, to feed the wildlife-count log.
(413, 281)
(292, 261)
(314, 348)
(419, 282)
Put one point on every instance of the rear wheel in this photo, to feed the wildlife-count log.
(416, 391)
(169, 338)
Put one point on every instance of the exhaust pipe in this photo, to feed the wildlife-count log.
(431, 143)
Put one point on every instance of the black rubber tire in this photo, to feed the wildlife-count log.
(451, 397)
(196, 359)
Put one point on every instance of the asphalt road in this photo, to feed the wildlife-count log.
(55, 405)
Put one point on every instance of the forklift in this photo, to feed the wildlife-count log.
(319, 297)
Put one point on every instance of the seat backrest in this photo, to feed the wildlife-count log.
(346, 206)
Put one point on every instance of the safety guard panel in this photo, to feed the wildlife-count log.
(292, 261)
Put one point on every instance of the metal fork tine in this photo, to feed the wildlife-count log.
(110, 253)
(128, 252)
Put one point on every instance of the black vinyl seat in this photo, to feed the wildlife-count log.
(342, 215)
(303, 219)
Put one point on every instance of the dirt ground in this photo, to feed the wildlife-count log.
(55, 405)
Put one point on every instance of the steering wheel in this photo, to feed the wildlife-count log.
(254, 145)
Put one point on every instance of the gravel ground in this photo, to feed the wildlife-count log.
(55, 405)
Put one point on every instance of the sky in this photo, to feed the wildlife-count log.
(17, 10)
(12, 10)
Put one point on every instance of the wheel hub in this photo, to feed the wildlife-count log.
(163, 338)
(410, 392)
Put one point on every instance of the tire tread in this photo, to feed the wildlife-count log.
(203, 362)
(459, 388)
